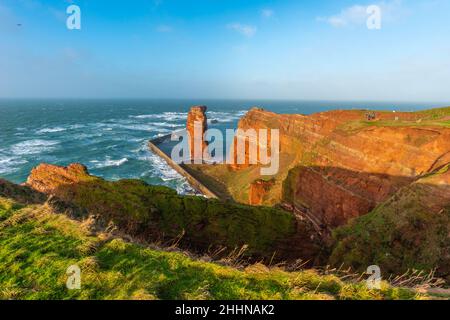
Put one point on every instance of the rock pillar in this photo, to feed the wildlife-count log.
(196, 127)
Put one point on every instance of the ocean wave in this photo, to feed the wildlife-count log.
(51, 130)
(34, 146)
(126, 125)
(167, 116)
(138, 127)
(169, 125)
(60, 128)
(89, 136)
(170, 177)
(225, 117)
(108, 162)
(10, 164)
(163, 170)
(76, 126)
(184, 188)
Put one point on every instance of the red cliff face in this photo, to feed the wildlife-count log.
(338, 165)
(258, 189)
(196, 127)
(47, 178)
(250, 143)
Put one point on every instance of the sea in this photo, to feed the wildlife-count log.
(110, 136)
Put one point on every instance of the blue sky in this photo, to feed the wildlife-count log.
(289, 49)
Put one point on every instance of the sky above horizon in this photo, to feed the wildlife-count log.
(253, 49)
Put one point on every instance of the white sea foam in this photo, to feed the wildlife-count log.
(168, 125)
(76, 126)
(35, 146)
(10, 164)
(145, 116)
(165, 172)
(86, 135)
(51, 130)
(60, 128)
(225, 117)
(169, 176)
(167, 116)
(138, 127)
(126, 125)
(108, 162)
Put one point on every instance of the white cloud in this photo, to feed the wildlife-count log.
(357, 14)
(352, 15)
(267, 13)
(164, 28)
(246, 30)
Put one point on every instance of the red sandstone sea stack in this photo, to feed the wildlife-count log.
(196, 127)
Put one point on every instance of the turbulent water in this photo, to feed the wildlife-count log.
(110, 137)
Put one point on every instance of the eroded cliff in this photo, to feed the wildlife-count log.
(338, 165)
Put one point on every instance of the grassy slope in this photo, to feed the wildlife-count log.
(400, 234)
(37, 247)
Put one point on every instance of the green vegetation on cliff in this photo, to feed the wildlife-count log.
(37, 246)
(438, 117)
(409, 231)
(137, 208)
(157, 213)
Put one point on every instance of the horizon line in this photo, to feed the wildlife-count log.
(444, 103)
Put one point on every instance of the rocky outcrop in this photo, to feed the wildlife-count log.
(196, 127)
(47, 178)
(152, 213)
(338, 165)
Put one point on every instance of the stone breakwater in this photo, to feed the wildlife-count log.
(180, 168)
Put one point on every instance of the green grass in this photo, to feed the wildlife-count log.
(426, 118)
(355, 126)
(7, 207)
(37, 247)
(437, 113)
